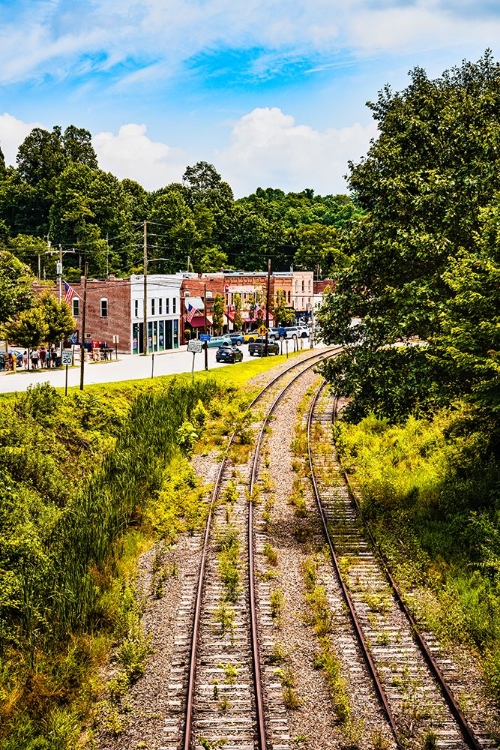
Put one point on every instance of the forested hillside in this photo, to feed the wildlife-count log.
(58, 194)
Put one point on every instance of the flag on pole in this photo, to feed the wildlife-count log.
(191, 312)
(69, 292)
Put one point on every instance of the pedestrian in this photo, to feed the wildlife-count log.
(53, 356)
(34, 359)
(47, 358)
(41, 355)
(25, 360)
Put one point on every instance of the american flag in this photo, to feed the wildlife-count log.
(69, 292)
(191, 312)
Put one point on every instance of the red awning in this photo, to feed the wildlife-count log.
(198, 321)
(245, 316)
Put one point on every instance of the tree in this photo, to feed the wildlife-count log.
(434, 167)
(238, 318)
(283, 315)
(58, 317)
(77, 147)
(218, 313)
(28, 329)
(16, 286)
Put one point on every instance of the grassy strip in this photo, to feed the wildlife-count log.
(431, 496)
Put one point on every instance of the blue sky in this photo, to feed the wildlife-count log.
(272, 93)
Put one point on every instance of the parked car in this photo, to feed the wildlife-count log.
(304, 330)
(259, 347)
(277, 333)
(237, 337)
(251, 336)
(218, 341)
(293, 332)
(229, 354)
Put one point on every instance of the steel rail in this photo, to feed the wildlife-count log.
(262, 737)
(345, 591)
(186, 742)
(462, 723)
(467, 732)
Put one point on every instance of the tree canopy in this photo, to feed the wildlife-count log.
(428, 188)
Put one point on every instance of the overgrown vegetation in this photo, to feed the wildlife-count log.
(432, 503)
(85, 480)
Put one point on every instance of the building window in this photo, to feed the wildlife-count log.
(76, 306)
(104, 307)
(289, 296)
(302, 284)
(136, 308)
(167, 306)
(174, 305)
(160, 306)
(153, 307)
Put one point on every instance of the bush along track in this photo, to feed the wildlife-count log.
(85, 482)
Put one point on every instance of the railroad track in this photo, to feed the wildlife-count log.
(418, 703)
(215, 693)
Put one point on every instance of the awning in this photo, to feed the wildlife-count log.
(198, 321)
(245, 316)
(196, 302)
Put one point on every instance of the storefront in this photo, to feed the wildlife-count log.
(162, 335)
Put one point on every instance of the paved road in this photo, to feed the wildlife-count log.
(127, 367)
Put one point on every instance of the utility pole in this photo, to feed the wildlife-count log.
(266, 350)
(59, 271)
(145, 306)
(84, 315)
(205, 343)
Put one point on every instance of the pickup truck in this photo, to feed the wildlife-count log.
(259, 347)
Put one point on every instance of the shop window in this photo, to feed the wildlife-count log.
(76, 306)
(104, 307)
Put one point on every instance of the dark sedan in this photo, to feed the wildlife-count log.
(229, 354)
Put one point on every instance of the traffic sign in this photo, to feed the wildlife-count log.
(262, 330)
(194, 346)
(204, 337)
(67, 357)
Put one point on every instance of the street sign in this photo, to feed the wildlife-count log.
(204, 337)
(262, 330)
(67, 357)
(194, 346)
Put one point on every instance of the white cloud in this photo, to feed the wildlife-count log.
(132, 154)
(101, 34)
(270, 150)
(12, 134)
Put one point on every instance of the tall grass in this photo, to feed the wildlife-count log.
(77, 475)
(430, 491)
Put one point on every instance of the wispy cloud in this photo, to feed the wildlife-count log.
(45, 38)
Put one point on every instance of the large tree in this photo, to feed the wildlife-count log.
(16, 286)
(422, 185)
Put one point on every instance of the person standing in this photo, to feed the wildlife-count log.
(42, 353)
(34, 359)
(47, 358)
(25, 360)
(53, 356)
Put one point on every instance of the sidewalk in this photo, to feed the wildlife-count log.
(127, 367)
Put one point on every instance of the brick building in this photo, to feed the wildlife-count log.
(115, 309)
